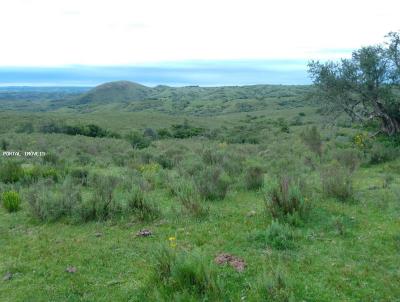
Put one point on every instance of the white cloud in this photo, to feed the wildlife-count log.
(102, 32)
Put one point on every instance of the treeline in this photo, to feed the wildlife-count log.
(90, 130)
(140, 140)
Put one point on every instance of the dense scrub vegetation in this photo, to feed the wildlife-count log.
(260, 203)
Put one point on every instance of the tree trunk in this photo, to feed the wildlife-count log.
(390, 125)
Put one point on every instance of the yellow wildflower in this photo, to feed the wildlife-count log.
(172, 242)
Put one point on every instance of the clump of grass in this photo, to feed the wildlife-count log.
(36, 172)
(141, 206)
(285, 201)
(49, 203)
(11, 201)
(254, 178)
(102, 205)
(280, 236)
(381, 153)
(212, 183)
(348, 158)
(80, 175)
(273, 288)
(51, 158)
(312, 138)
(4, 144)
(190, 199)
(182, 276)
(337, 182)
(11, 172)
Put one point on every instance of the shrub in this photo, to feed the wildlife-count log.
(141, 206)
(51, 158)
(348, 158)
(80, 175)
(211, 157)
(50, 204)
(380, 153)
(283, 125)
(189, 197)
(10, 172)
(254, 178)
(33, 174)
(163, 133)
(280, 236)
(4, 144)
(337, 182)
(212, 183)
(150, 133)
(285, 201)
(138, 140)
(11, 201)
(312, 138)
(102, 205)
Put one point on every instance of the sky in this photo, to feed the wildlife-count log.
(182, 42)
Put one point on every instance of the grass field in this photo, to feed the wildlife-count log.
(311, 214)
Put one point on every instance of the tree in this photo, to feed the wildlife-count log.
(365, 87)
(138, 140)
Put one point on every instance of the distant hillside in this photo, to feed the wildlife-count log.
(121, 91)
(128, 97)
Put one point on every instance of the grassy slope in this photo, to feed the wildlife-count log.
(361, 265)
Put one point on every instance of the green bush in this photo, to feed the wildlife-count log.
(138, 140)
(4, 144)
(212, 183)
(380, 153)
(254, 178)
(337, 182)
(11, 201)
(285, 201)
(141, 206)
(80, 175)
(11, 172)
(280, 236)
(212, 157)
(190, 199)
(48, 203)
(34, 173)
(349, 158)
(102, 205)
(51, 158)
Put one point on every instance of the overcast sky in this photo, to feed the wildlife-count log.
(116, 32)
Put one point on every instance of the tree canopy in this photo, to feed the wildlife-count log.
(366, 86)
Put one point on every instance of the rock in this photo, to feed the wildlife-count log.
(144, 233)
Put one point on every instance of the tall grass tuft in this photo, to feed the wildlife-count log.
(285, 201)
(337, 182)
(141, 206)
(183, 276)
(11, 201)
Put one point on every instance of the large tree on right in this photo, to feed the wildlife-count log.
(366, 87)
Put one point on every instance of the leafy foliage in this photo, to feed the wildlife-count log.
(364, 87)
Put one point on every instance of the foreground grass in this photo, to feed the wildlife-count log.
(345, 252)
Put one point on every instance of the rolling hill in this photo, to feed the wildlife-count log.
(120, 91)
